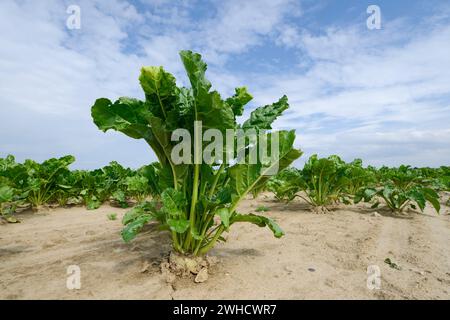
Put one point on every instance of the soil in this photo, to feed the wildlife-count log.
(322, 256)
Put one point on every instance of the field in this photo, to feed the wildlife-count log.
(322, 256)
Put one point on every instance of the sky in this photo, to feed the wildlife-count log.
(382, 95)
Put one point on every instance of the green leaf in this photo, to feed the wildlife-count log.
(173, 202)
(6, 194)
(112, 216)
(369, 193)
(137, 184)
(260, 221)
(387, 191)
(433, 198)
(239, 100)
(263, 117)
(196, 235)
(162, 136)
(224, 215)
(178, 225)
(262, 209)
(156, 81)
(11, 219)
(195, 69)
(392, 264)
(126, 115)
(92, 203)
(132, 229)
(418, 197)
(161, 93)
(139, 210)
(285, 184)
(209, 107)
(245, 177)
(120, 197)
(152, 174)
(357, 199)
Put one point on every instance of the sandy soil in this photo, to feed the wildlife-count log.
(321, 257)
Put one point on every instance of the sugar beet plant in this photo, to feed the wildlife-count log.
(401, 188)
(324, 180)
(286, 184)
(321, 182)
(199, 201)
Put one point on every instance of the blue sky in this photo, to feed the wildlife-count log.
(380, 95)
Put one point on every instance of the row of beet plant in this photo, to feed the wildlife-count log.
(326, 181)
(31, 185)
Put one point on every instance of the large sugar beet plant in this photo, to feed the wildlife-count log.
(199, 201)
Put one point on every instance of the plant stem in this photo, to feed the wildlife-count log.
(175, 242)
(193, 205)
(203, 232)
(208, 246)
(216, 179)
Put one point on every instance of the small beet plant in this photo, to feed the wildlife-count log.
(400, 188)
(199, 199)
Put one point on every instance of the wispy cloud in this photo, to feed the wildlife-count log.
(394, 88)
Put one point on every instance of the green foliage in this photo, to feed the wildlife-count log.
(112, 216)
(393, 265)
(286, 184)
(41, 183)
(357, 177)
(397, 187)
(329, 180)
(32, 184)
(262, 209)
(400, 187)
(324, 180)
(137, 186)
(7, 203)
(193, 194)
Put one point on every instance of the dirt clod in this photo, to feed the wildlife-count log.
(184, 266)
(320, 210)
(376, 214)
(145, 266)
(202, 276)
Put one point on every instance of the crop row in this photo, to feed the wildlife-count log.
(322, 182)
(327, 181)
(32, 185)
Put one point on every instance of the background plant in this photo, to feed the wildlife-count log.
(286, 184)
(193, 194)
(33, 184)
(324, 181)
(358, 177)
(399, 188)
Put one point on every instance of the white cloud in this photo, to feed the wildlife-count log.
(288, 36)
(371, 80)
(242, 24)
(51, 75)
